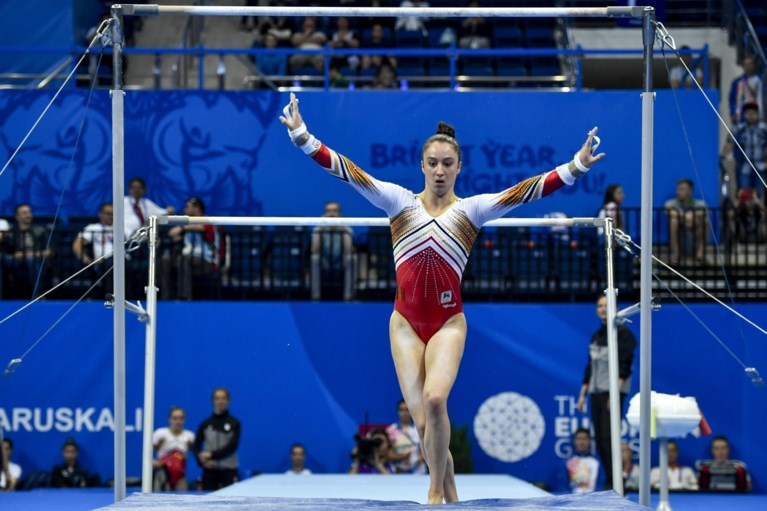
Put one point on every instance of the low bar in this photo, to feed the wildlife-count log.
(362, 222)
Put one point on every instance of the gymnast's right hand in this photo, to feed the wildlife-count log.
(292, 117)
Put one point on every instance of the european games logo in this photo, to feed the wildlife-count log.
(509, 426)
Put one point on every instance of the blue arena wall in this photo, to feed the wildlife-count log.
(312, 372)
(230, 149)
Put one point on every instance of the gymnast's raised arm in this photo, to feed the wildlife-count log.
(387, 196)
(488, 207)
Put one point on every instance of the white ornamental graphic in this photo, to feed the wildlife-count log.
(509, 426)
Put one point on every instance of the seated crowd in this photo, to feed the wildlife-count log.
(375, 33)
(198, 261)
(378, 449)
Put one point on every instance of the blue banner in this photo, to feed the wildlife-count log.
(230, 149)
(312, 372)
(39, 24)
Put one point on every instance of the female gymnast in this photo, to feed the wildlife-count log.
(432, 235)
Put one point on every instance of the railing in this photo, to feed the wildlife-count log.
(743, 35)
(506, 265)
(448, 77)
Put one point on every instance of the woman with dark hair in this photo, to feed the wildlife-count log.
(432, 234)
(612, 206)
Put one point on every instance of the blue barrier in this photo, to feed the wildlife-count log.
(312, 372)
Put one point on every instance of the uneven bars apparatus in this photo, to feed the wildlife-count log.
(647, 14)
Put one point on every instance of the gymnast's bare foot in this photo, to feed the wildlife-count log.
(435, 498)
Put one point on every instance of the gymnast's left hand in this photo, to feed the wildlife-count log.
(292, 118)
(586, 153)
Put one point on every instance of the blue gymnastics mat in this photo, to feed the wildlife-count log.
(600, 501)
(333, 492)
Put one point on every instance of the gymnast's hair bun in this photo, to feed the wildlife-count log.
(444, 128)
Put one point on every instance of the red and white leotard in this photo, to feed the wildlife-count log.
(430, 253)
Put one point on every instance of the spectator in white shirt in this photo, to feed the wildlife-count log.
(10, 472)
(679, 476)
(297, 459)
(138, 208)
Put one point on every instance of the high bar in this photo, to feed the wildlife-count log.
(361, 222)
(417, 12)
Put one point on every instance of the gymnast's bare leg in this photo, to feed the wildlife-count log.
(426, 374)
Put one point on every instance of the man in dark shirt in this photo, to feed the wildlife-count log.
(596, 382)
(24, 252)
(215, 444)
(69, 474)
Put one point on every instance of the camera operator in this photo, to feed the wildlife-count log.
(371, 454)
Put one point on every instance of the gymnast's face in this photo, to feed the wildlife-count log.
(440, 165)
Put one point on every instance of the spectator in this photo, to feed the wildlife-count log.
(4, 228)
(367, 22)
(412, 23)
(216, 442)
(344, 38)
(630, 469)
(751, 135)
(750, 215)
(406, 454)
(310, 38)
(69, 474)
(337, 79)
(26, 254)
(297, 460)
(279, 27)
(746, 88)
(582, 468)
(95, 242)
(722, 473)
(272, 64)
(194, 254)
(475, 32)
(10, 472)
(371, 454)
(678, 75)
(172, 444)
(679, 476)
(138, 208)
(596, 382)
(612, 207)
(378, 41)
(332, 256)
(687, 216)
(386, 78)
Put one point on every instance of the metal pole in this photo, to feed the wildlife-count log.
(149, 360)
(645, 300)
(118, 172)
(612, 364)
(663, 504)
